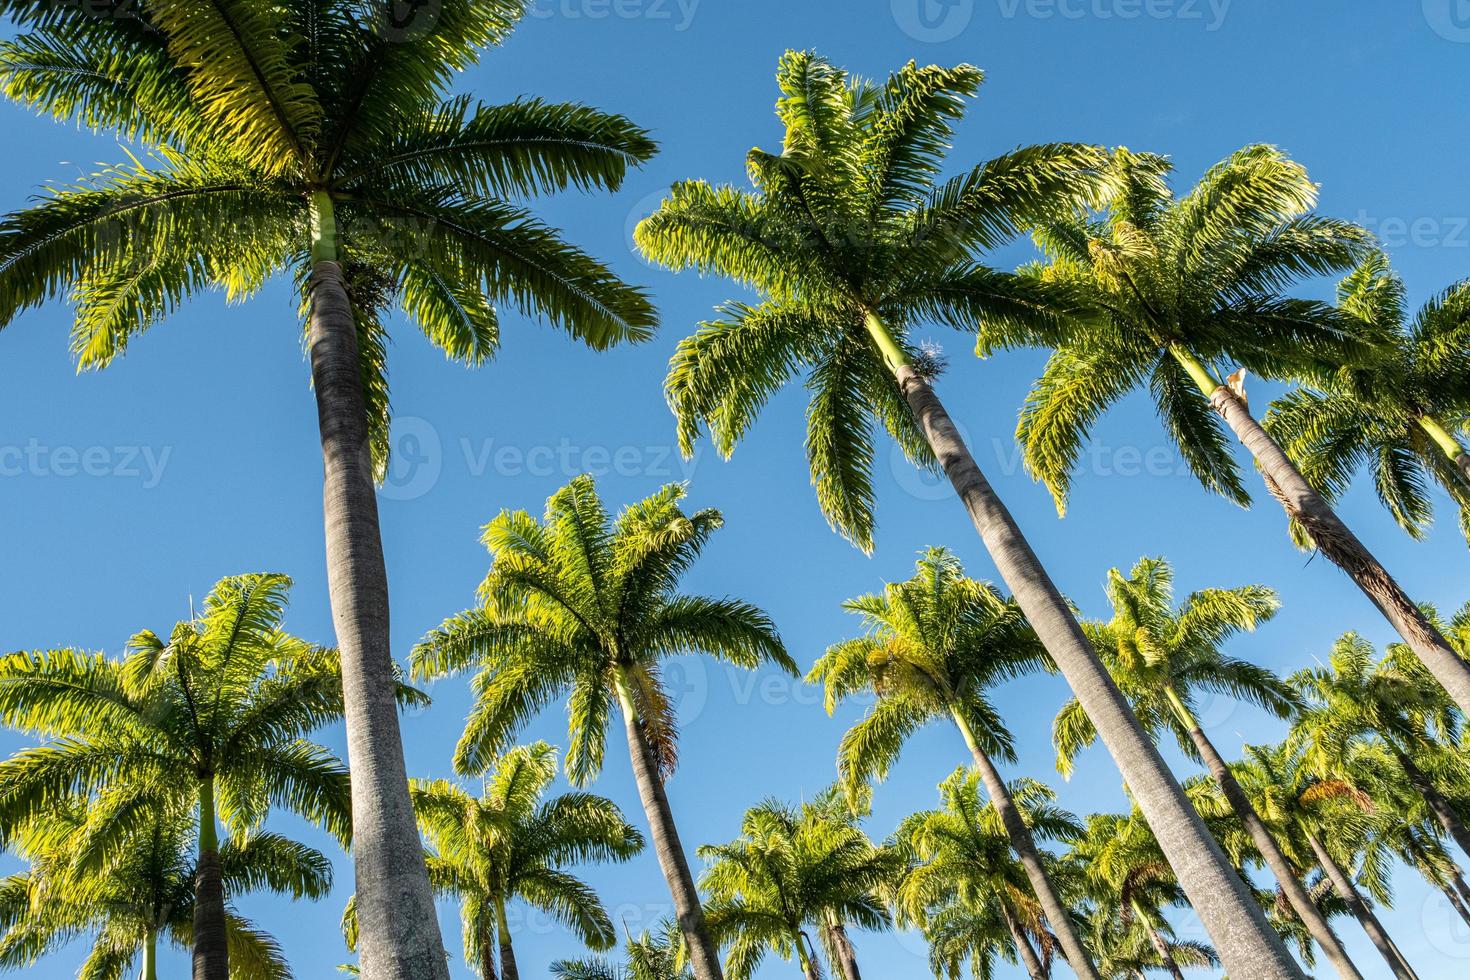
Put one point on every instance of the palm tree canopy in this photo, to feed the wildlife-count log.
(583, 604)
(849, 220)
(655, 956)
(934, 645)
(1201, 275)
(1158, 654)
(228, 696)
(256, 117)
(512, 842)
(791, 869)
(1370, 415)
(144, 886)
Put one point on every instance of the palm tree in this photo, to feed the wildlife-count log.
(935, 644)
(587, 607)
(851, 245)
(318, 137)
(509, 844)
(1353, 698)
(124, 889)
(1162, 658)
(1320, 820)
(1397, 414)
(650, 957)
(1131, 886)
(214, 718)
(967, 873)
(1184, 284)
(789, 871)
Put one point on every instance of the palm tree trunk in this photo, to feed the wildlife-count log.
(843, 951)
(1296, 893)
(1462, 886)
(150, 955)
(1024, 949)
(1025, 847)
(1332, 537)
(1456, 901)
(508, 968)
(1365, 916)
(1438, 805)
(1447, 443)
(811, 968)
(1247, 944)
(211, 939)
(704, 953)
(399, 928)
(1166, 958)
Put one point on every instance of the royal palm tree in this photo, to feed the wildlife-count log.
(1162, 659)
(1318, 820)
(318, 138)
(213, 716)
(852, 244)
(792, 870)
(1131, 886)
(125, 889)
(509, 844)
(1355, 696)
(1185, 284)
(582, 606)
(656, 956)
(966, 872)
(934, 646)
(1399, 413)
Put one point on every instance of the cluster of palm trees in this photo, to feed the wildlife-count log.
(320, 138)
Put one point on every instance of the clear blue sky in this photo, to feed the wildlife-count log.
(201, 449)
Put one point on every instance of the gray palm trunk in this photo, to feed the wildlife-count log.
(1247, 944)
(1361, 910)
(508, 968)
(704, 953)
(843, 951)
(1335, 540)
(486, 942)
(1462, 460)
(1166, 958)
(1024, 844)
(1457, 902)
(1461, 886)
(1024, 949)
(211, 953)
(1443, 812)
(1296, 893)
(398, 926)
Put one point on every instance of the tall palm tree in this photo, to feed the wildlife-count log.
(656, 956)
(935, 644)
(1322, 821)
(1399, 413)
(587, 607)
(132, 890)
(318, 137)
(1354, 696)
(966, 871)
(213, 717)
(792, 870)
(509, 844)
(852, 244)
(1185, 284)
(1162, 658)
(1131, 886)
